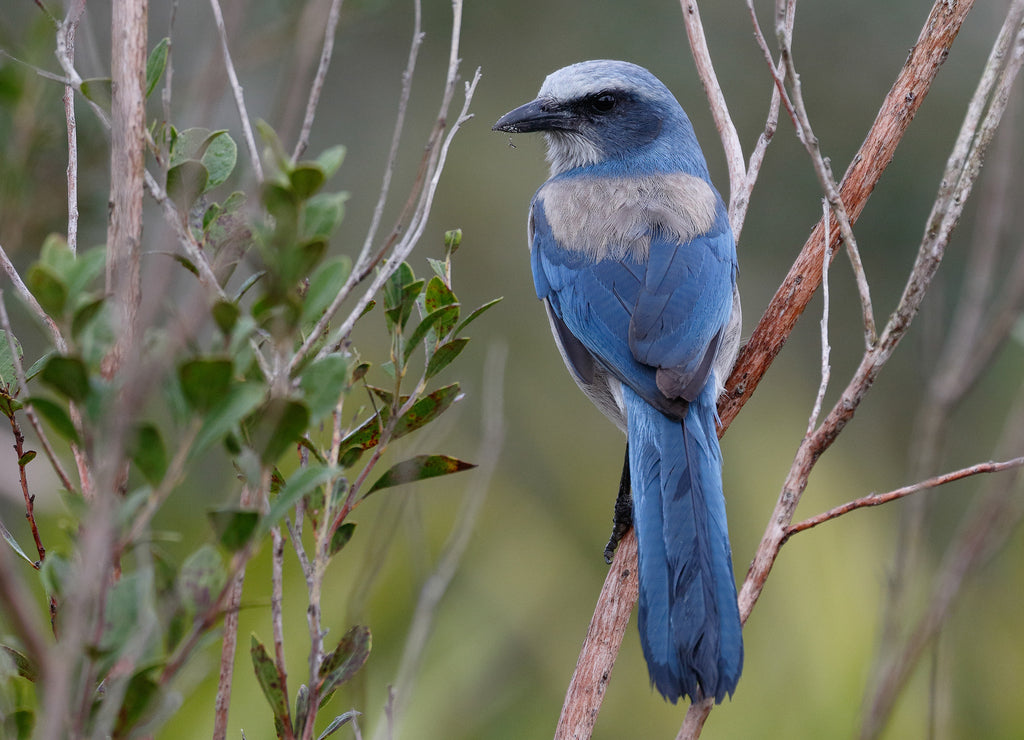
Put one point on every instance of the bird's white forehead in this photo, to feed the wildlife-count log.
(584, 78)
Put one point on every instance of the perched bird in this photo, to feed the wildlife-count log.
(634, 259)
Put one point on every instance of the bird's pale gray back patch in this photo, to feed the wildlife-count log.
(613, 217)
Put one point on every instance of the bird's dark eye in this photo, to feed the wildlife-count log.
(603, 102)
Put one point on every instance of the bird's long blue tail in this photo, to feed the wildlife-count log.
(689, 620)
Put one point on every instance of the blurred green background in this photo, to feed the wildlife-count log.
(508, 630)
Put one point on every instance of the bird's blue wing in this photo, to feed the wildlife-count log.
(683, 306)
(640, 319)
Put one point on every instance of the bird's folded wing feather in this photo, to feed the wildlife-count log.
(652, 325)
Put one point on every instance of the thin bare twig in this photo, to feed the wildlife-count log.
(318, 81)
(794, 104)
(876, 499)
(30, 300)
(236, 89)
(719, 111)
(276, 610)
(826, 351)
(396, 135)
(66, 45)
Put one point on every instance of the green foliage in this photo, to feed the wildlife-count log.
(200, 160)
(244, 396)
(156, 64)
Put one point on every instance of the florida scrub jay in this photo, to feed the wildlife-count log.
(634, 260)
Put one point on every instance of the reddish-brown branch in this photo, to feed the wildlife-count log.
(30, 500)
(604, 636)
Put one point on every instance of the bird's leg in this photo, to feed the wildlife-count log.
(622, 519)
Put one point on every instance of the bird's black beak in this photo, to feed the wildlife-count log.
(537, 115)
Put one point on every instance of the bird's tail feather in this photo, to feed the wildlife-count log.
(689, 620)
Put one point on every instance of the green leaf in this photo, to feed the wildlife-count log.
(438, 294)
(306, 178)
(330, 160)
(25, 667)
(81, 271)
(201, 579)
(38, 365)
(9, 538)
(394, 292)
(276, 155)
(301, 710)
(149, 454)
(300, 484)
(205, 381)
(427, 409)
(239, 402)
(48, 288)
(225, 314)
(249, 282)
(322, 214)
(8, 374)
(54, 574)
(270, 681)
(282, 204)
(219, 157)
(338, 722)
(280, 424)
(452, 241)
(324, 284)
(322, 383)
(473, 316)
(301, 259)
(234, 526)
(191, 144)
(423, 411)
(121, 615)
(440, 320)
(440, 267)
(341, 537)
(138, 701)
(98, 90)
(28, 457)
(417, 468)
(342, 663)
(444, 355)
(67, 375)
(186, 263)
(156, 64)
(56, 415)
(186, 181)
(9, 405)
(84, 314)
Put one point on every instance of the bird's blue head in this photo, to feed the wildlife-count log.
(609, 115)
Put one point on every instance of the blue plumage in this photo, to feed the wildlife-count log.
(633, 257)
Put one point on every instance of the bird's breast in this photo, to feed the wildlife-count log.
(615, 217)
